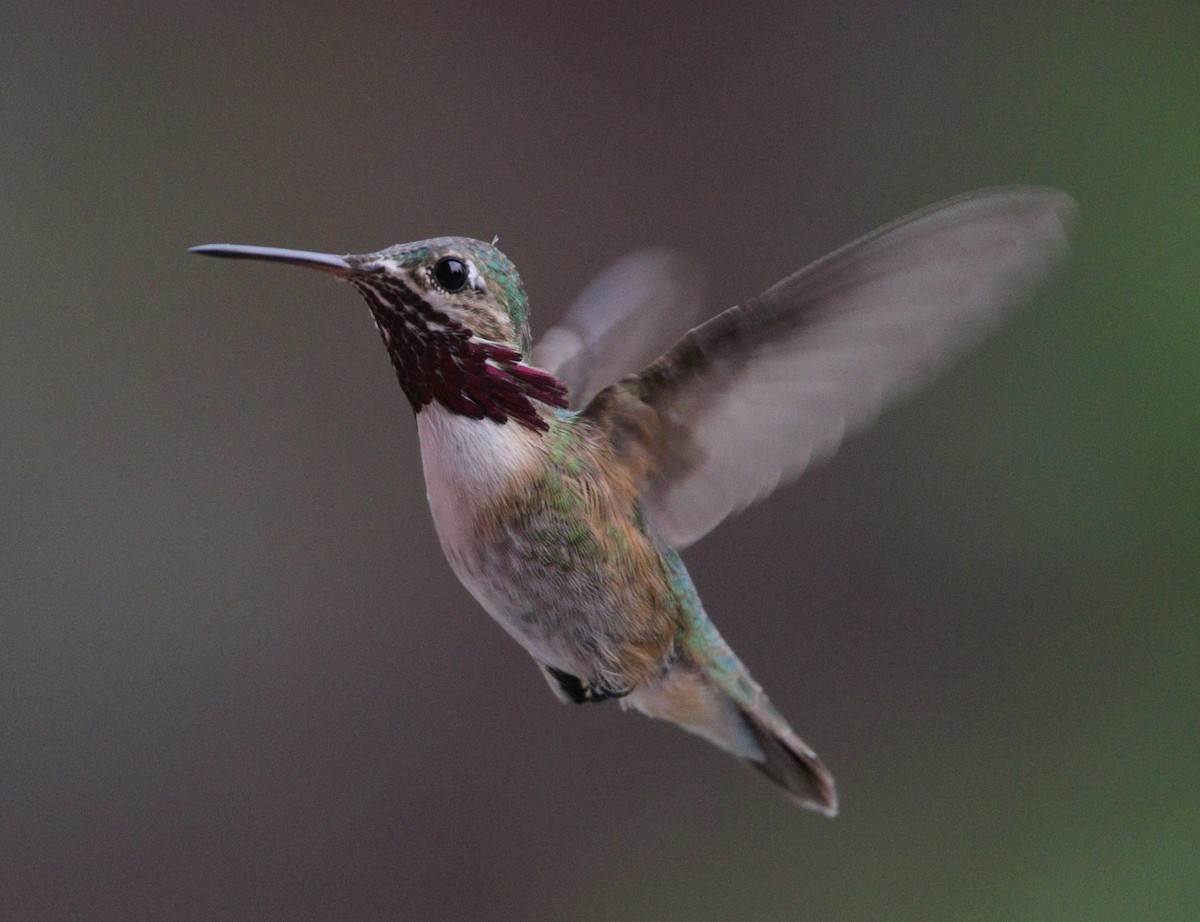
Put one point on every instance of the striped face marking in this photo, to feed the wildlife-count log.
(454, 324)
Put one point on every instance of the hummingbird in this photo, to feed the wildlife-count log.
(565, 479)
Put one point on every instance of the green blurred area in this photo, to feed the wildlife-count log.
(238, 679)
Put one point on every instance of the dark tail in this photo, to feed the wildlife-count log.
(741, 721)
(790, 763)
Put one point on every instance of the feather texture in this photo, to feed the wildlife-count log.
(625, 318)
(754, 396)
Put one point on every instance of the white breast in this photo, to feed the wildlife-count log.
(468, 463)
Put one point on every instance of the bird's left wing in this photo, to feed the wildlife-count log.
(627, 316)
(749, 399)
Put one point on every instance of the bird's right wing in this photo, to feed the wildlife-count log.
(751, 398)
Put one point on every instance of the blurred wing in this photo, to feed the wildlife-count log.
(754, 396)
(625, 318)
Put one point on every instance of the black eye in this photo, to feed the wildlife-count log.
(450, 273)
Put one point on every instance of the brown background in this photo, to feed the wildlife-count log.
(237, 678)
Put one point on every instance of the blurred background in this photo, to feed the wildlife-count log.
(237, 677)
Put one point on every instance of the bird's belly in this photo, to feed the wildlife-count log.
(543, 616)
(468, 465)
(575, 612)
(585, 597)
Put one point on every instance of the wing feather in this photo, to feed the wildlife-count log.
(627, 316)
(753, 397)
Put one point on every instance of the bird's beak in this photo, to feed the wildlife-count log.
(326, 262)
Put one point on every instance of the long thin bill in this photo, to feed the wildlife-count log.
(326, 262)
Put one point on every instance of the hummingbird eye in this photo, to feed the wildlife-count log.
(450, 273)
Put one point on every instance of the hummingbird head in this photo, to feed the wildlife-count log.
(468, 282)
(455, 320)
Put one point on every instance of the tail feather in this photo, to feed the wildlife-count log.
(790, 763)
(745, 725)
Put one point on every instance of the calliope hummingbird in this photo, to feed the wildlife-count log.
(565, 478)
